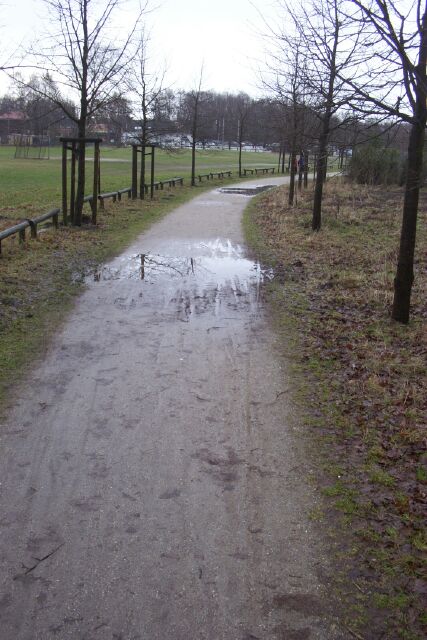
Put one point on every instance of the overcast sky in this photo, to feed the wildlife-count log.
(224, 35)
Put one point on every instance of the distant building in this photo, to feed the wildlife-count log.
(11, 124)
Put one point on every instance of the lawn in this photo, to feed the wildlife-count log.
(31, 187)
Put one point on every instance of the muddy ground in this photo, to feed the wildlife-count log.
(153, 477)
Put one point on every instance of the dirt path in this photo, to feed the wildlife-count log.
(153, 481)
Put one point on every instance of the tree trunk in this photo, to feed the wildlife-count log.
(193, 144)
(81, 173)
(142, 172)
(306, 170)
(405, 265)
(193, 162)
(292, 174)
(81, 176)
(322, 160)
(143, 145)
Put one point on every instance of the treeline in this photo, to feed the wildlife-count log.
(340, 73)
(225, 120)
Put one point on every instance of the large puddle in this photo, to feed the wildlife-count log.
(211, 274)
(220, 263)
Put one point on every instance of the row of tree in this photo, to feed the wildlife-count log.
(350, 60)
(339, 68)
(224, 120)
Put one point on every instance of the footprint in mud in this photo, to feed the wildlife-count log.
(292, 634)
(99, 470)
(168, 495)
(214, 459)
(40, 543)
(219, 467)
(305, 603)
(5, 601)
(88, 505)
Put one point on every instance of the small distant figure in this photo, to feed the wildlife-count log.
(301, 163)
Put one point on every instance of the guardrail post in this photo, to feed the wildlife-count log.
(33, 227)
(73, 182)
(152, 173)
(95, 183)
(64, 184)
(134, 171)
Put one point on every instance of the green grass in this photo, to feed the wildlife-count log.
(30, 187)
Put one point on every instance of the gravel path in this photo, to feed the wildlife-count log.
(153, 480)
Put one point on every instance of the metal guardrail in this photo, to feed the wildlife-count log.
(172, 182)
(31, 224)
(213, 174)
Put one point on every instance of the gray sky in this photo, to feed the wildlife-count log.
(221, 34)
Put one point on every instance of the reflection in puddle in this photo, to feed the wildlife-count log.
(216, 275)
(144, 266)
(222, 263)
(247, 191)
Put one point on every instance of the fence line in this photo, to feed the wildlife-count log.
(32, 223)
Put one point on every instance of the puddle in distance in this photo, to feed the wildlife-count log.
(247, 191)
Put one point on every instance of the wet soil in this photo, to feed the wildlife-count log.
(154, 483)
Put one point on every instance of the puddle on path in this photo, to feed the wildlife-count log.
(211, 274)
(247, 191)
(202, 277)
(220, 263)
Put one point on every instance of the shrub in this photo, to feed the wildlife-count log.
(372, 164)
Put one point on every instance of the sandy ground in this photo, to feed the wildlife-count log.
(153, 479)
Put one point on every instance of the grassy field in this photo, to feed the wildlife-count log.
(360, 383)
(30, 187)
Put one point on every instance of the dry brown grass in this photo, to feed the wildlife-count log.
(366, 378)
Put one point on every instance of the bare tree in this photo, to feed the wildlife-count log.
(286, 79)
(82, 62)
(323, 32)
(393, 82)
(194, 101)
(147, 86)
(244, 106)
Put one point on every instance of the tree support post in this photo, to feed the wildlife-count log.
(64, 185)
(96, 176)
(152, 173)
(134, 171)
(77, 146)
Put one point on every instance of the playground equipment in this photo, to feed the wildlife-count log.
(32, 146)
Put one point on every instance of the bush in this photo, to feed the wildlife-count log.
(371, 164)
